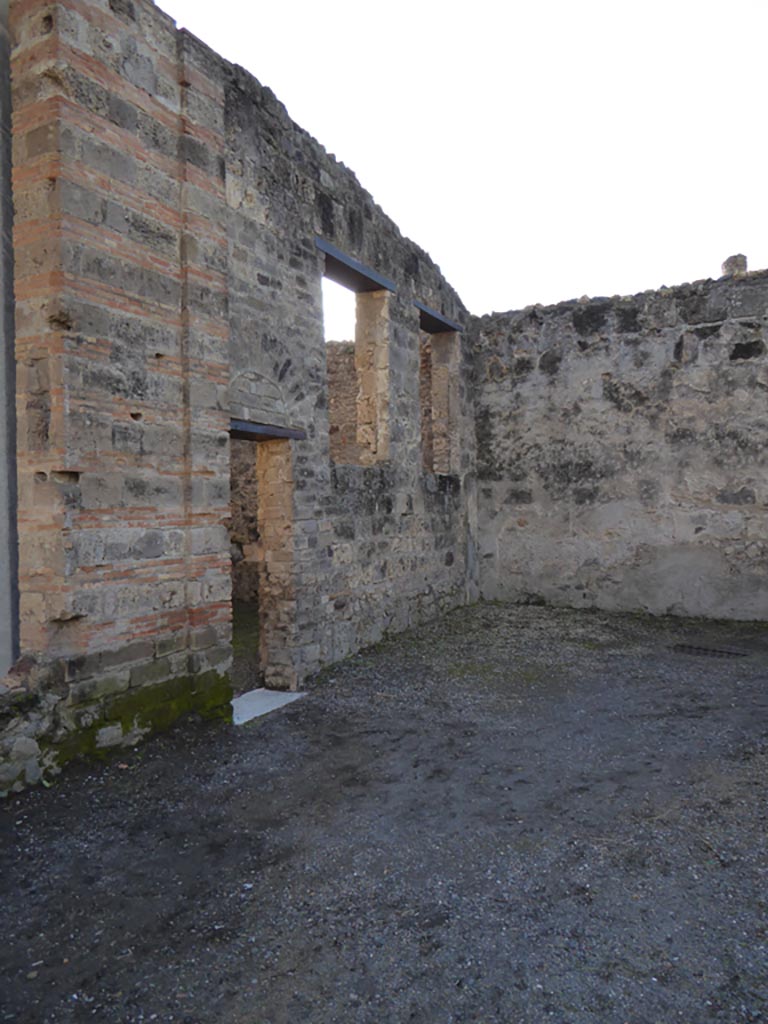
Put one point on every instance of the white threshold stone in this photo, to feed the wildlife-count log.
(259, 702)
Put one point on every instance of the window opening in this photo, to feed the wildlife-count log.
(358, 365)
(338, 313)
(439, 392)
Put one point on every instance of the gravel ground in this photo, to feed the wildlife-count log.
(510, 815)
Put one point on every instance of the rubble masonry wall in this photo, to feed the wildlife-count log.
(623, 451)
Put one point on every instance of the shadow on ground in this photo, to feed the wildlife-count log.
(510, 815)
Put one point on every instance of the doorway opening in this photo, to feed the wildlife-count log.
(244, 549)
(439, 400)
(439, 358)
(262, 550)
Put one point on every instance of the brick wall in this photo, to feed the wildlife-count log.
(122, 351)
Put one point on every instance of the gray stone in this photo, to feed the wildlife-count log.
(735, 265)
(24, 748)
(109, 736)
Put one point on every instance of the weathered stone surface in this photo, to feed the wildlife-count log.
(735, 265)
(109, 736)
(622, 452)
(24, 749)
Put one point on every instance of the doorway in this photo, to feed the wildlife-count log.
(262, 550)
(246, 568)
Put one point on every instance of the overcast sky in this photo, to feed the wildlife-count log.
(538, 150)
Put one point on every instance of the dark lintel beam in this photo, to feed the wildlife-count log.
(350, 272)
(242, 430)
(433, 322)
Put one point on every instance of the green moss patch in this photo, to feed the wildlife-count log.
(145, 710)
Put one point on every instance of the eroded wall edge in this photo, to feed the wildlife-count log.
(8, 558)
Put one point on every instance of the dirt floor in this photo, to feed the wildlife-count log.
(511, 815)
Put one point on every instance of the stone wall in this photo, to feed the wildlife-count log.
(122, 359)
(172, 228)
(373, 547)
(168, 280)
(623, 451)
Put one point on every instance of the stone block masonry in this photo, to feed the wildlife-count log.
(168, 281)
(122, 352)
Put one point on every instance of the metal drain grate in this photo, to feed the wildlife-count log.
(707, 652)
